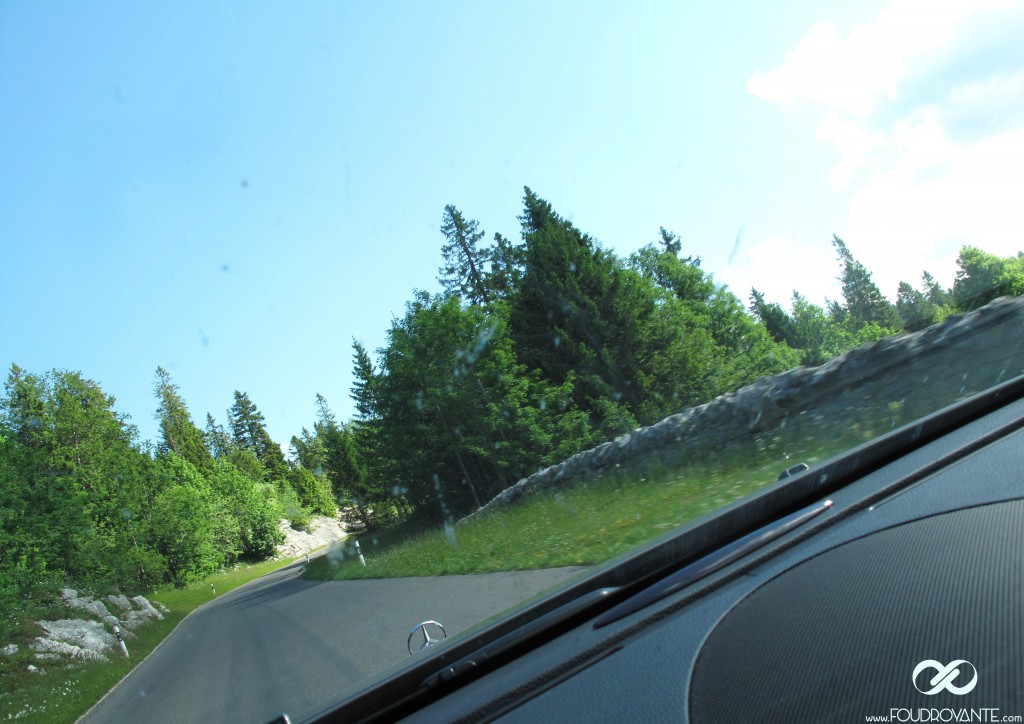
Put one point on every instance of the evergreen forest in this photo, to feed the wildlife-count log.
(534, 349)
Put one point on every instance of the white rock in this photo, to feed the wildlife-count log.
(88, 639)
(9, 650)
(64, 649)
(322, 531)
(133, 619)
(147, 607)
(121, 602)
(89, 635)
(88, 604)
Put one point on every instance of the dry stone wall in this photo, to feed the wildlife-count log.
(897, 379)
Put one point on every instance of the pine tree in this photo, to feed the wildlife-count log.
(506, 267)
(914, 308)
(682, 276)
(673, 245)
(865, 304)
(334, 445)
(178, 433)
(309, 451)
(775, 319)
(218, 440)
(363, 385)
(463, 271)
(935, 292)
(251, 434)
(579, 310)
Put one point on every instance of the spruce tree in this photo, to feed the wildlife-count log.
(865, 303)
(251, 434)
(463, 270)
(178, 433)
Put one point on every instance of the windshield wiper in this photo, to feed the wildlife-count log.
(712, 562)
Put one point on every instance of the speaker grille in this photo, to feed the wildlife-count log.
(838, 636)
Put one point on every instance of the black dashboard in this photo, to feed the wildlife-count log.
(895, 596)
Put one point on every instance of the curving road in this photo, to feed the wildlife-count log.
(282, 644)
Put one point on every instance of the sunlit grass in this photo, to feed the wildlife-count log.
(68, 690)
(596, 521)
(579, 526)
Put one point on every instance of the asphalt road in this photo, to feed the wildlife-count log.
(282, 644)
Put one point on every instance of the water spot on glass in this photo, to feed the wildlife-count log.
(398, 490)
(543, 404)
(335, 553)
(557, 341)
(449, 532)
(126, 513)
(225, 268)
(572, 266)
(318, 470)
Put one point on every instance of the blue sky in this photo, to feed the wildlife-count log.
(235, 191)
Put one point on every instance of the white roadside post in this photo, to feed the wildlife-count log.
(124, 649)
(360, 554)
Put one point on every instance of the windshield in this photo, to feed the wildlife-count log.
(324, 321)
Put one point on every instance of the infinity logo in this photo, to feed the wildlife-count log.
(945, 675)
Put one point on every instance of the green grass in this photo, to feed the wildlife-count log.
(68, 690)
(594, 522)
(580, 526)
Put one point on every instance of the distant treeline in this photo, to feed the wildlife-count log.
(535, 349)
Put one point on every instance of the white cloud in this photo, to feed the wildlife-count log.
(928, 123)
(936, 198)
(845, 74)
(853, 74)
(775, 267)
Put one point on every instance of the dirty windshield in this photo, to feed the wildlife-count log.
(323, 321)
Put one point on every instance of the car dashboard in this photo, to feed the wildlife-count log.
(893, 593)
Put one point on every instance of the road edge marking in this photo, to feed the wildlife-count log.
(320, 551)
